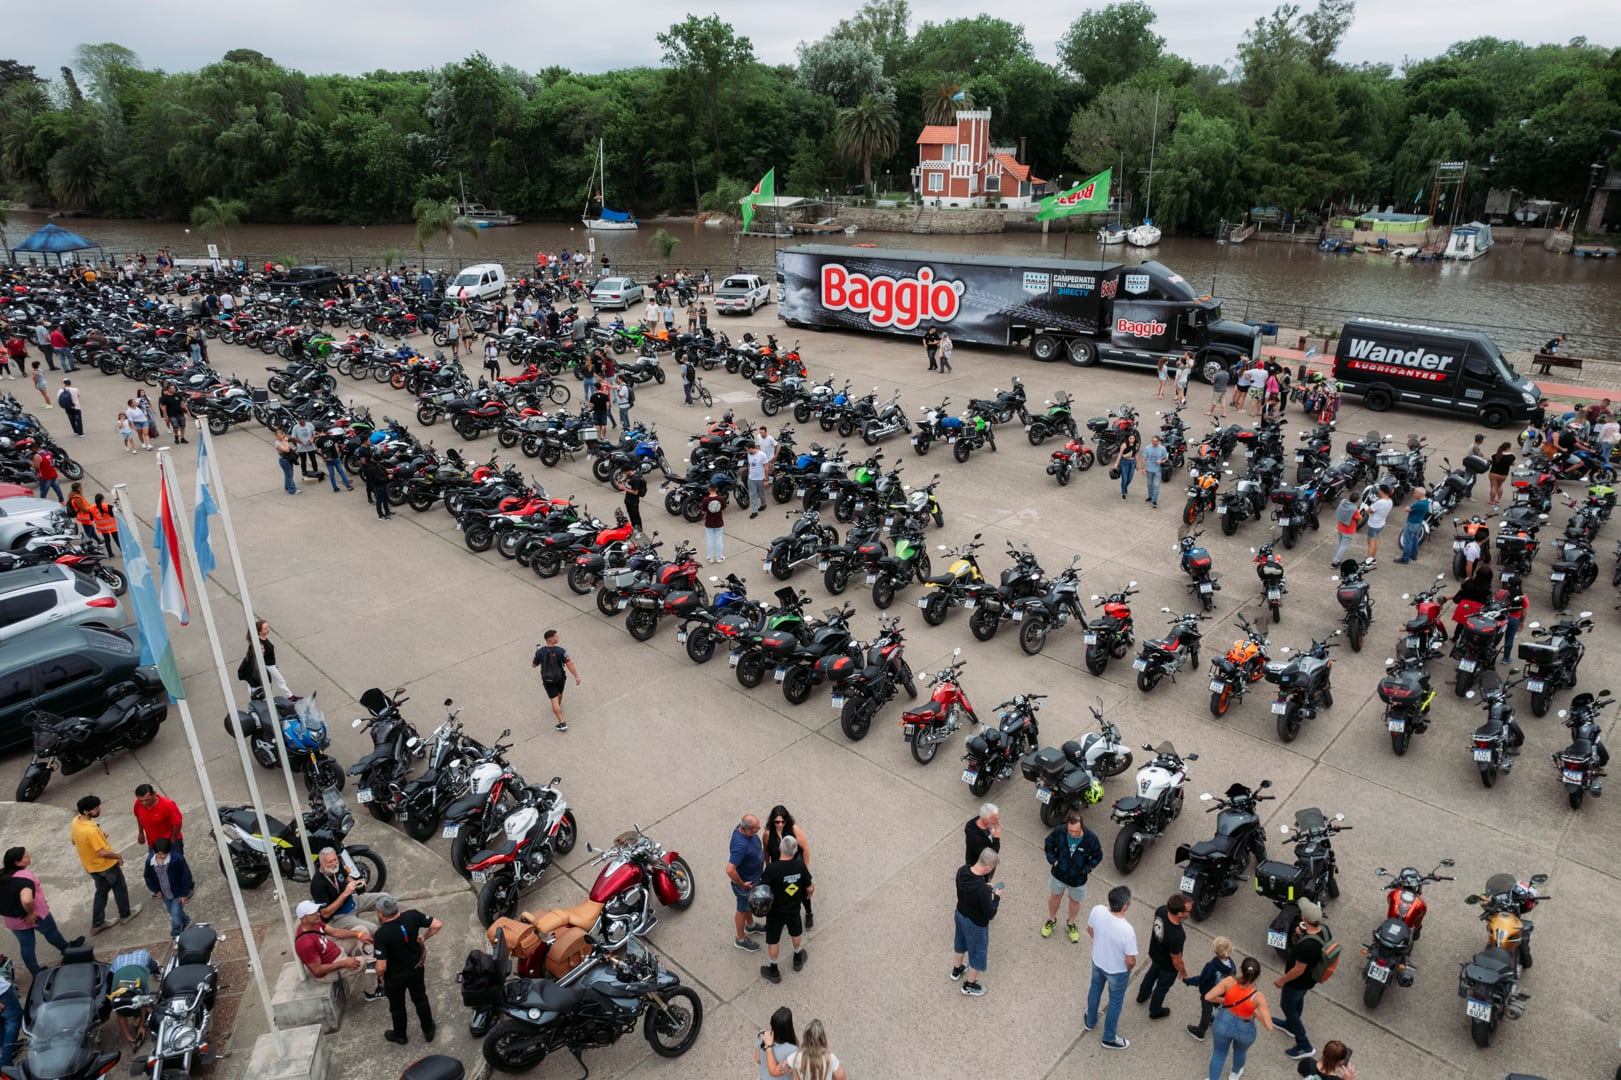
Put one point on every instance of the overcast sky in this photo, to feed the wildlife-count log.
(329, 37)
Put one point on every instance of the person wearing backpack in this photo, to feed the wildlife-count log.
(68, 400)
(1312, 957)
(552, 660)
(44, 463)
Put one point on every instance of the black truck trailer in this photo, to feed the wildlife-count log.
(1085, 311)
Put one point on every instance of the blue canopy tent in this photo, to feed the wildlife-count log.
(55, 240)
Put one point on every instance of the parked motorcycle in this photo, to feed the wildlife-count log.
(1304, 685)
(1039, 616)
(859, 696)
(1313, 875)
(181, 1005)
(534, 835)
(1574, 571)
(948, 709)
(1170, 654)
(1581, 765)
(1232, 675)
(294, 850)
(1270, 570)
(1108, 432)
(1145, 816)
(1391, 950)
(62, 1019)
(1490, 982)
(1202, 582)
(1076, 456)
(1215, 867)
(1070, 777)
(1553, 658)
(908, 561)
(976, 433)
(395, 746)
(993, 753)
(1355, 599)
(805, 538)
(1059, 419)
(992, 605)
(1405, 690)
(450, 759)
(942, 592)
(130, 720)
(1110, 637)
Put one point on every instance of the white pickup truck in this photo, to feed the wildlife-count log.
(742, 294)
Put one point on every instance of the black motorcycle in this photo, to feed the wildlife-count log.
(993, 753)
(1196, 563)
(1215, 867)
(1574, 571)
(294, 851)
(1269, 569)
(180, 1008)
(1039, 616)
(1581, 765)
(604, 1004)
(135, 709)
(803, 543)
(1355, 599)
(1303, 686)
(1495, 744)
(395, 746)
(1552, 659)
(1313, 875)
(451, 753)
(67, 1006)
(1177, 651)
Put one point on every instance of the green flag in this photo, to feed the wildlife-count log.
(764, 191)
(1086, 197)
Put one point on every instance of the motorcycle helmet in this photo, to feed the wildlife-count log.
(1093, 794)
(6, 444)
(760, 900)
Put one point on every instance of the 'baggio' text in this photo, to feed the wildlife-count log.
(886, 301)
(1152, 329)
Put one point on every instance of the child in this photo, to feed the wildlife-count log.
(1217, 968)
(126, 431)
(39, 384)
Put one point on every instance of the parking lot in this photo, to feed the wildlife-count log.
(683, 750)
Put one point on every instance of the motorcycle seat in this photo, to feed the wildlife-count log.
(244, 819)
(1417, 625)
(379, 754)
(582, 916)
(1489, 966)
(939, 579)
(1219, 845)
(184, 981)
(1133, 804)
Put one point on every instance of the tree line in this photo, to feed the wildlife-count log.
(1287, 126)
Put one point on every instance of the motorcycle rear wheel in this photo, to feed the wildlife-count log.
(984, 626)
(478, 537)
(922, 444)
(883, 593)
(1063, 475)
(1147, 680)
(934, 611)
(1576, 799)
(580, 583)
(249, 877)
(982, 783)
(962, 450)
(923, 748)
(797, 685)
(373, 871)
(513, 1046)
(1481, 1032)
(1205, 904)
(855, 719)
(1372, 992)
(1052, 813)
(1401, 740)
(1289, 722)
(1221, 701)
(546, 564)
(700, 645)
(1097, 659)
(836, 578)
(1128, 850)
(1355, 628)
(607, 601)
(421, 829)
(1540, 703)
(1463, 683)
(672, 1030)
(642, 623)
(751, 670)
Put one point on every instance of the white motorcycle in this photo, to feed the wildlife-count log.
(1144, 817)
(531, 835)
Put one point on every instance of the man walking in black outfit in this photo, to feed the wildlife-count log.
(634, 486)
(1165, 966)
(791, 886)
(401, 945)
(931, 345)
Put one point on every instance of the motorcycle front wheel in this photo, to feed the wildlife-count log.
(33, 785)
(373, 870)
(326, 776)
(1128, 850)
(855, 719)
(498, 899)
(249, 876)
(984, 626)
(1033, 636)
(672, 1030)
(513, 1046)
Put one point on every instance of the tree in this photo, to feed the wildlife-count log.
(12, 74)
(102, 64)
(705, 53)
(881, 26)
(941, 102)
(1301, 160)
(663, 243)
(217, 215)
(725, 199)
(866, 130)
(1430, 140)
(440, 217)
(71, 85)
(1111, 44)
(842, 69)
(966, 47)
(1198, 180)
(1119, 124)
(1285, 40)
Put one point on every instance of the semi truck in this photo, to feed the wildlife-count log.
(1087, 312)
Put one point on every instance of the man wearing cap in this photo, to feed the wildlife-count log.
(104, 865)
(339, 894)
(1305, 951)
(328, 951)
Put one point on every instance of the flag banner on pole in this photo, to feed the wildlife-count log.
(960, 95)
(764, 191)
(166, 541)
(1089, 196)
(143, 595)
(205, 505)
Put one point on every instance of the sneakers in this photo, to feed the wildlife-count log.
(746, 945)
(1193, 1030)
(1298, 1052)
(799, 960)
(770, 974)
(1087, 1025)
(956, 972)
(1048, 927)
(1119, 1043)
(394, 1037)
(429, 1032)
(135, 909)
(562, 725)
(755, 928)
(973, 989)
(375, 995)
(1074, 933)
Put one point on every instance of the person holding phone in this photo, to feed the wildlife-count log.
(977, 903)
(1335, 1064)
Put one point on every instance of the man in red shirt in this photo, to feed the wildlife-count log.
(327, 952)
(157, 818)
(59, 344)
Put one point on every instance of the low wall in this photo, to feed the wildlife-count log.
(902, 219)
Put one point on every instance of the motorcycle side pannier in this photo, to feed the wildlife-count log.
(1279, 881)
(1075, 782)
(568, 950)
(251, 723)
(522, 939)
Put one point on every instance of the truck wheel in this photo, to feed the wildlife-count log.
(1208, 366)
(1046, 348)
(1082, 353)
(1494, 416)
(1378, 399)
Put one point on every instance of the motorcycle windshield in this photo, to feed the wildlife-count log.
(57, 1047)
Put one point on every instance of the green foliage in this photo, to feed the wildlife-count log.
(1119, 123)
(843, 70)
(663, 243)
(439, 217)
(866, 130)
(1302, 162)
(881, 26)
(1198, 177)
(1107, 46)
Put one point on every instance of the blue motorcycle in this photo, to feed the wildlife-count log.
(303, 730)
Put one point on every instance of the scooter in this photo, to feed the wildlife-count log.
(1391, 950)
(1145, 816)
(1215, 867)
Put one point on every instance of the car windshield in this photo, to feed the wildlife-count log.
(56, 1048)
(467, 277)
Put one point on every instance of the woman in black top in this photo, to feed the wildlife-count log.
(1472, 593)
(1335, 1064)
(778, 824)
(1501, 463)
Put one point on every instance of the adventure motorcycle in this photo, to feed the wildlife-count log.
(1355, 599)
(1391, 950)
(303, 732)
(1039, 616)
(1215, 867)
(994, 752)
(534, 834)
(1070, 777)
(1552, 659)
(1303, 685)
(1313, 875)
(1145, 816)
(1405, 690)
(1490, 982)
(1059, 419)
(295, 851)
(1195, 562)
(993, 604)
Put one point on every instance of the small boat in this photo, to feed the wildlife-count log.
(1336, 245)
(1242, 234)
(1111, 234)
(851, 230)
(1469, 242)
(1144, 235)
(606, 220)
(1406, 251)
(1594, 251)
(480, 215)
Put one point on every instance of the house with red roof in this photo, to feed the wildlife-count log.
(958, 166)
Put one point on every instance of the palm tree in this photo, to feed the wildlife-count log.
(664, 244)
(215, 214)
(724, 200)
(941, 103)
(866, 130)
(439, 217)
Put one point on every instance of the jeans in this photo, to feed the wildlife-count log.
(1153, 486)
(335, 472)
(1127, 470)
(11, 1024)
(1154, 987)
(196, 353)
(756, 495)
(624, 417)
(287, 475)
(110, 880)
(1340, 549)
(716, 539)
(1230, 1032)
(1293, 1002)
(1512, 629)
(178, 919)
(25, 941)
(75, 420)
(50, 485)
(1410, 536)
(686, 390)
(1117, 1000)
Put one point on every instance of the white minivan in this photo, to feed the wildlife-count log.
(485, 281)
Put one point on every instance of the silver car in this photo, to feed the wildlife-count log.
(21, 517)
(54, 595)
(616, 292)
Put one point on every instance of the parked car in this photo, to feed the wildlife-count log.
(484, 281)
(64, 670)
(308, 280)
(21, 516)
(619, 292)
(44, 595)
(742, 294)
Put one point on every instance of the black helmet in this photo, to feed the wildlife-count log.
(760, 900)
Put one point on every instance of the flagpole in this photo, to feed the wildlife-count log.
(217, 489)
(121, 503)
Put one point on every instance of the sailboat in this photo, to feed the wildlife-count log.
(1147, 234)
(607, 220)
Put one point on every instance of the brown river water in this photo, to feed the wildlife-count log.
(1521, 295)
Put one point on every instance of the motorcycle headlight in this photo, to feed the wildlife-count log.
(181, 1039)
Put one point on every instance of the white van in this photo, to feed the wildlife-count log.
(485, 281)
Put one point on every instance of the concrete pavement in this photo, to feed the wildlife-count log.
(683, 750)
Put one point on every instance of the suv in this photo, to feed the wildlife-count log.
(23, 516)
(41, 595)
(309, 280)
(64, 670)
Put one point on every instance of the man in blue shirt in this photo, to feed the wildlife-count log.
(1413, 532)
(1154, 459)
(744, 865)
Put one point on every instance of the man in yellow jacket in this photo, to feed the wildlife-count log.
(103, 864)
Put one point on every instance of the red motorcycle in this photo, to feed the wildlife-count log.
(95, 565)
(948, 710)
(636, 872)
(1076, 456)
(1393, 939)
(1425, 632)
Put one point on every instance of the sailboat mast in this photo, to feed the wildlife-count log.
(1148, 204)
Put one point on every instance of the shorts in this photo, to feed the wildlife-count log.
(553, 689)
(1077, 893)
(973, 940)
(742, 895)
(1373, 533)
(776, 921)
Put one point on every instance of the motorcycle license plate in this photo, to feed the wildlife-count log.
(624, 602)
(1466, 665)
(1571, 776)
(1205, 586)
(765, 564)
(1412, 643)
(1378, 972)
(889, 519)
(1187, 884)
(449, 831)
(1221, 508)
(1217, 686)
(1044, 795)
(1483, 755)
(1139, 664)
(1276, 939)
(969, 776)
(1280, 707)
(1556, 576)
(871, 578)
(1397, 726)
(1534, 686)
(1299, 456)
(480, 877)
(1284, 520)
(1457, 545)
(838, 701)
(1018, 616)
(1089, 639)
(1274, 594)
(923, 601)
(951, 438)
(681, 637)
(799, 493)
(363, 795)
(914, 440)
(860, 506)
(733, 658)
(780, 674)
(822, 564)
(970, 604)
(908, 730)
(1478, 1010)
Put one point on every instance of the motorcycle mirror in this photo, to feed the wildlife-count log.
(1406, 596)
(1284, 829)
(1535, 626)
(1585, 615)
(358, 723)
(1166, 610)
(1131, 584)
(1562, 714)
(957, 651)
(1252, 551)
(1096, 597)
(1472, 899)
(1603, 693)
(1449, 862)
(1539, 879)
(1381, 872)
(1205, 796)
(1389, 660)
(1339, 817)
(1266, 784)
(1470, 695)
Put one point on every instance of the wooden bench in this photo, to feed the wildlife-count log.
(1545, 361)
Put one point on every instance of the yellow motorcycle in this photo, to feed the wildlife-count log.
(942, 592)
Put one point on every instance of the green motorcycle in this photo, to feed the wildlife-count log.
(908, 561)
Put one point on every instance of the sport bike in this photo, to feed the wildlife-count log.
(1145, 816)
